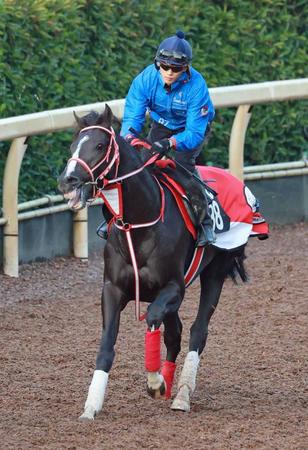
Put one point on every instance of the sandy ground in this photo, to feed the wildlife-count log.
(252, 383)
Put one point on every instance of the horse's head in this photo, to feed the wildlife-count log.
(93, 153)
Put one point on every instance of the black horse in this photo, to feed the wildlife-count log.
(145, 257)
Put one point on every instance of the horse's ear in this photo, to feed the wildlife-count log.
(78, 120)
(110, 119)
(108, 115)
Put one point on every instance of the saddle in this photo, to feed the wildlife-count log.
(233, 208)
(187, 192)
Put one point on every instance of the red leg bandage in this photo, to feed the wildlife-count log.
(167, 372)
(152, 351)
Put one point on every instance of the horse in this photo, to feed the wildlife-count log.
(147, 252)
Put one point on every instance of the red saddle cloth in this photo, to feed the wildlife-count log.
(239, 204)
(234, 211)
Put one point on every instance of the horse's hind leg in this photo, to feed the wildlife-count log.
(211, 285)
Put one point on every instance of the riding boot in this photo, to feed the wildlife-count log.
(205, 231)
(206, 234)
(102, 230)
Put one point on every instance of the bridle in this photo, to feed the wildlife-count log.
(114, 161)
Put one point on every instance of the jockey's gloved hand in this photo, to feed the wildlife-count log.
(129, 138)
(162, 147)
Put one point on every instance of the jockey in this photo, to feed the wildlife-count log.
(178, 101)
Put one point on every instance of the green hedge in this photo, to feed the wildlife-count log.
(60, 53)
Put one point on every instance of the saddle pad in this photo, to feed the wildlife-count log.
(238, 203)
(179, 196)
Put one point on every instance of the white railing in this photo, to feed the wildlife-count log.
(18, 129)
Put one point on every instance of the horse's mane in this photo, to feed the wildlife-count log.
(105, 118)
(92, 118)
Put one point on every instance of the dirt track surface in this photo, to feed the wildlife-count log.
(252, 383)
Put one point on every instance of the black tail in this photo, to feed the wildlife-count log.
(238, 267)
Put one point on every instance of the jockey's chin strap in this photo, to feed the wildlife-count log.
(118, 219)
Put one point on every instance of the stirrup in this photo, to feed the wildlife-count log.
(206, 236)
(102, 230)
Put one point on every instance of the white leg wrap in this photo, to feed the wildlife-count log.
(96, 394)
(187, 382)
(189, 371)
(155, 380)
(182, 400)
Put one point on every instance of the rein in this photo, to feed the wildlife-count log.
(118, 215)
(115, 160)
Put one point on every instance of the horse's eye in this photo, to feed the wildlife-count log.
(99, 146)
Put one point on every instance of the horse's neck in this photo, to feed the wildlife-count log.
(141, 194)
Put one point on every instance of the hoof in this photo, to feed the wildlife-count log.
(180, 405)
(182, 400)
(157, 393)
(89, 414)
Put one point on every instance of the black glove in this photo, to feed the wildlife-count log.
(162, 147)
(129, 137)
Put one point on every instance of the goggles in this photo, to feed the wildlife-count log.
(178, 58)
(175, 69)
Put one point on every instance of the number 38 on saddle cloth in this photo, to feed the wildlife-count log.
(234, 210)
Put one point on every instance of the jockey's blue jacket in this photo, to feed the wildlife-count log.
(186, 106)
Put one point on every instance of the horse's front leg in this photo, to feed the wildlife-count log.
(163, 309)
(112, 304)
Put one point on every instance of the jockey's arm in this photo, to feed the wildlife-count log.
(200, 114)
(136, 103)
